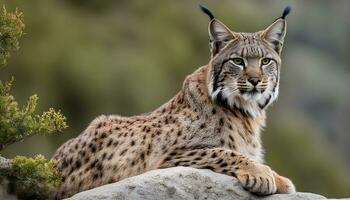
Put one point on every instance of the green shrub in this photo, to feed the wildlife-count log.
(28, 178)
(17, 123)
(32, 178)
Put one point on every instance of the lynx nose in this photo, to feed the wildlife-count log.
(254, 80)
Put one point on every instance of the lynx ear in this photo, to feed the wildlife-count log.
(219, 34)
(275, 33)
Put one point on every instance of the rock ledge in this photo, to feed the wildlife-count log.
(180, 183)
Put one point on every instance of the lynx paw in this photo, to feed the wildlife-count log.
(284, 185)
(258, 179)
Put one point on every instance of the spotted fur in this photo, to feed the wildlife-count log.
(214, 122)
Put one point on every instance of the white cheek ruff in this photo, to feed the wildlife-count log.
(275, 95)
(229, 94)
(252, 97)
(250, 104)
(215, 93)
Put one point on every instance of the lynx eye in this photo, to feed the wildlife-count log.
(265, 61)
(238, 61)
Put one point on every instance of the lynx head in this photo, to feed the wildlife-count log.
(244, 67)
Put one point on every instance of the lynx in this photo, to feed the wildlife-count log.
(213, 123)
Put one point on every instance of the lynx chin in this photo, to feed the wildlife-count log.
(214, 122)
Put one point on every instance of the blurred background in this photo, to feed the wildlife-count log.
(92, 57)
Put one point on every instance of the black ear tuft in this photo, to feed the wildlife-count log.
(286, 12)
(206, 11)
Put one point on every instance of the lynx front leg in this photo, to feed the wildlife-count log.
(255, 177)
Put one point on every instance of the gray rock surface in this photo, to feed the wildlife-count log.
(180, 183)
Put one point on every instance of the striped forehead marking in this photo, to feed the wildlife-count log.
(251, 45)
(252, 51)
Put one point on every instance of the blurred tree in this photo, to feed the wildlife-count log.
(299, 159)
(28, 178)
(95, 5)
(11, 30)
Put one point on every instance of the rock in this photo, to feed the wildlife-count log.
(5, 166)
(180, 183)
(3, 193)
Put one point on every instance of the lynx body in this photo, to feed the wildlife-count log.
(214, 122)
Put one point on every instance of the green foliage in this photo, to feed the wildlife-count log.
(32, 178)
(17, 123)
(11, 30)
(29, 178)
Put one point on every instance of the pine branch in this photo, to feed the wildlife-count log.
(18, 123)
